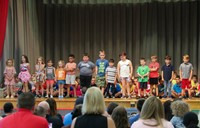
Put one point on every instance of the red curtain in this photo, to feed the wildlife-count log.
(3, 19)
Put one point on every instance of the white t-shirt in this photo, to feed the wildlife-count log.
(124, 68)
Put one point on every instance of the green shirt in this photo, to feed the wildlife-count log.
(142, 70)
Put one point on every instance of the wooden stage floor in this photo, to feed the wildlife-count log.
(68, 104)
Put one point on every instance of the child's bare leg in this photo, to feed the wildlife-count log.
(145, 92)
(151, 89)
(189, 93)
(12, 91)
(61, 89)
(183, 92)
(74, 88)
(156, 90)
(8, 91)
(51, 89)
(102, 89)
(123, 88)
(68, 90)
(47, 90)
(128, 88)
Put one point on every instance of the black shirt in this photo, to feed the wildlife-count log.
(91, 121)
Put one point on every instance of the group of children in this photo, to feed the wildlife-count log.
(113, 81)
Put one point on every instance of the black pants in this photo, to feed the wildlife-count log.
(110, 90)
(85, 81)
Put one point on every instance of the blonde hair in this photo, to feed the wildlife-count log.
(63, 63)
(153, 108)
(41, 59)
(186, 57)
(93, 102)
(179, 108)
(9, 60)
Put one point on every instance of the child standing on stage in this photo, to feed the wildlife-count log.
(154, 75)
(70, 68)
(111, 77)
(39, 71)
(167, 76)
(24, 74)
(101, 65)
(143, 73)
(50, 77)
(125, 71)
(186, 71)
(9, 74)
(60, 77)
(86, 68)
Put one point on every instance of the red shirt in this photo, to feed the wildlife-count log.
(24, 118)
(154, 74)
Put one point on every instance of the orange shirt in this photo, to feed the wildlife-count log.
(60, 74)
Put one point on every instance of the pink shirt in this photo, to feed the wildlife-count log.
(154, 74)
(141, 124)
(70, 66)
(10, 71)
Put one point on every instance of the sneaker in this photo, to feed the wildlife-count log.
(46, 96)
(67, 97)
(12, 97)
(123, 97)
(51, 96)
(7, 97)
(61, 96)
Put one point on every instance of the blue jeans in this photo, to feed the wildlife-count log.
(167, 88)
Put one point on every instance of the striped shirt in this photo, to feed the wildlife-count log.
(111, 73)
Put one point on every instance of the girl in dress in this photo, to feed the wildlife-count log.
(9, 73)
(39, 71)
(24, 74)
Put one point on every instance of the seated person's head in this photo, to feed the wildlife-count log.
(111, 107)
(40, 111)
(120, 117)
(190, 120)
(179, 108)
(45, 105)
(194, 78)
(140, 103)
(53, 106)
(77, 111)
(93, 81)
(93, 102)
(178, 79)
(26, 100)
(83, 90)
(161, 82)
(8, 107)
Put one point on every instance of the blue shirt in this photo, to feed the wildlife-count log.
(167, 71)
(117, 88)
(101, 65)
(67, 119)
(177, 88)
(133, 119)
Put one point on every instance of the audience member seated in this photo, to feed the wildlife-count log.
(8, 109)
(76, 113)
(152, 115)
(168, 110)
(111, 107)
(93, 112)
(54, 117)
(120, 117)
(80, 99)
(134, 118)
(190, 120)
(40, 111)
(93, 82)
(24, 118)
(179, 108)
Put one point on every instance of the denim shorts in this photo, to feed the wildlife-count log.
(61, 82)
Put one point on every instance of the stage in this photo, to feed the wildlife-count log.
(68, 104)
